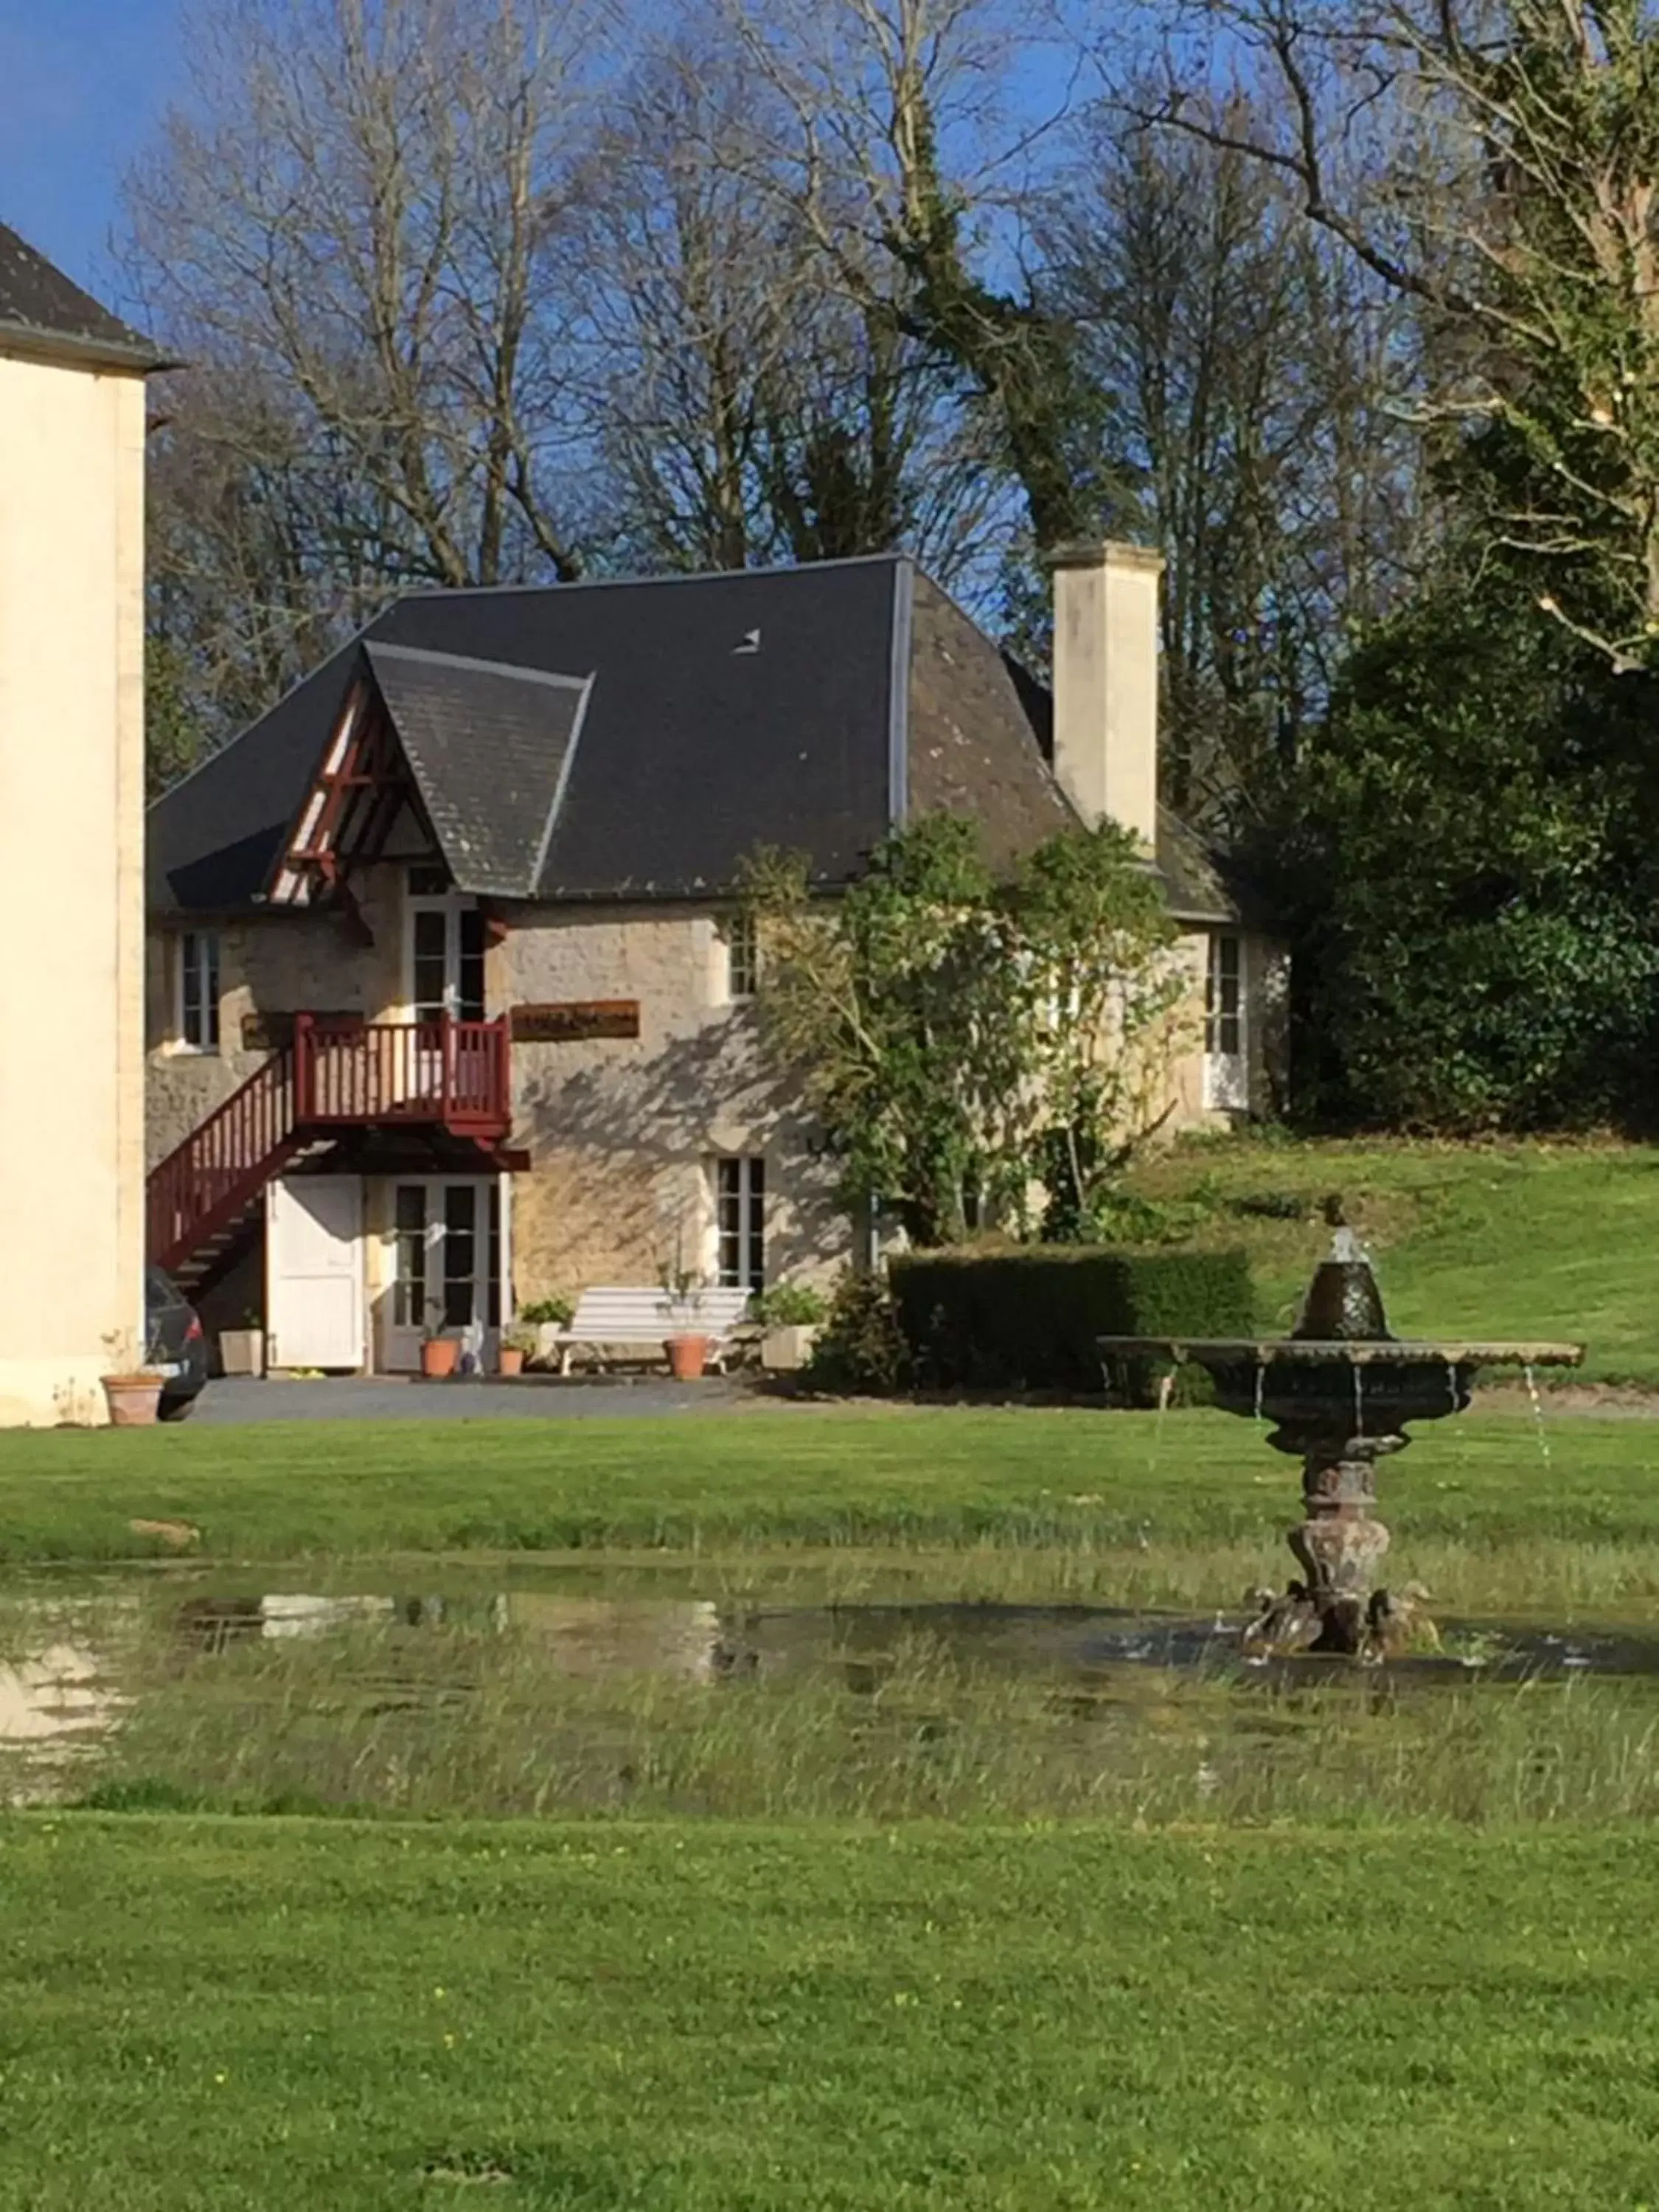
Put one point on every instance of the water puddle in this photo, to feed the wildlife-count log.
(71, 1673)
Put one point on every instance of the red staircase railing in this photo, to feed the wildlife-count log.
(204, 1184)
(446, 1073)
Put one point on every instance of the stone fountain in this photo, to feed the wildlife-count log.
(1339, 1391)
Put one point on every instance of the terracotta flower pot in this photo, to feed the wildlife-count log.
(439, 1355)
(133, 1400)
(509, 1360)
(687, 1356)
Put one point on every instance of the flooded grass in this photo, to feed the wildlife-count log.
(863, 1716)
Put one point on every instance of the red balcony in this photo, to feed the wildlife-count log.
(453, 1075)
(444, 1075)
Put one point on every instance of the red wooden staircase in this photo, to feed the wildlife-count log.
(444, 1074)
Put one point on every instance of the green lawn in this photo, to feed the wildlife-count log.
(1516, 1241)
(225, 2015)
(824, 1476)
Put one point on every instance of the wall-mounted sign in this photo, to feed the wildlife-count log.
(575, 1020)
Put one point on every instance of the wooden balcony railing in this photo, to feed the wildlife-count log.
(445, 1073)
(450, 1073)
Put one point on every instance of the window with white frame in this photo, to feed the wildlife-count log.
(1224, 998)
(198, 990)
(740, 1223)
(740, 946)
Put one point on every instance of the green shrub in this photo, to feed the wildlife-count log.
(558, 1309)
(1028, 1320)
(861, 1346)
(788, 1305)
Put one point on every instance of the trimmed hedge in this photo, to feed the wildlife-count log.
(1027, 1319)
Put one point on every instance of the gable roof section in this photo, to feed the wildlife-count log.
(42, 312)
(490, 748)
(636, 739)
(724, 711)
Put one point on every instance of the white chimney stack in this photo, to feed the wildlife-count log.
(1106, 629)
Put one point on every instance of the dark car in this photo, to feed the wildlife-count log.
(176, 1347)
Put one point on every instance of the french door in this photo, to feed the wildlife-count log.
(446, 1268)
(443, 974)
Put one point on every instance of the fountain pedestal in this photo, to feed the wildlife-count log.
(1338, 1394)
(1339, 1545)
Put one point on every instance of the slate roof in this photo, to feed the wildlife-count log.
(41, 311)
(637, 739)
(490, 749)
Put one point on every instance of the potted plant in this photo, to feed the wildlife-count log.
(439, 1353)
(685, 1343)
(548, 1317)
(242, 1350)
(131, 1390)
(789, 1317)
(516, 1347)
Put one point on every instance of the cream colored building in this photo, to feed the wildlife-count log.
(71, 833)
(447, 1009)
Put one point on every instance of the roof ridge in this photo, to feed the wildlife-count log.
(669, 576)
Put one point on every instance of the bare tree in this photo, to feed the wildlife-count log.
(1496, 162)
(1248, 364)
(904, 156)
(749, 407)
(366, 216)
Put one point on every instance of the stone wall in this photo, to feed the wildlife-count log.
(621, 1131)
(280, 963)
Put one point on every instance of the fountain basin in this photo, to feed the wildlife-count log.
(1339, 1394)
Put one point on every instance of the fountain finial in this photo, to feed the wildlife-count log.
(1331, 1208)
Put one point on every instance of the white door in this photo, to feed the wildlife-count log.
(447, 1267)
(315, 1272)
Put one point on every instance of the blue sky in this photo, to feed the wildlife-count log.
(83, 85)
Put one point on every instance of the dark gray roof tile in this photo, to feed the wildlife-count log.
(39, 306)
(490, 748)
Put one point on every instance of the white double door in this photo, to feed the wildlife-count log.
(447, 1249)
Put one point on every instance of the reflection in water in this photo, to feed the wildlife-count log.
(77, 1668)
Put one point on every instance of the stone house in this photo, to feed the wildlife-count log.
(448, 1004)
(71, 836)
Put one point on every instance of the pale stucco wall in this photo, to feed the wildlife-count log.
(71, 893)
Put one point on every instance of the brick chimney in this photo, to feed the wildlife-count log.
(1106, 628)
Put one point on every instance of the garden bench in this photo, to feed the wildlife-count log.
(619, 1316)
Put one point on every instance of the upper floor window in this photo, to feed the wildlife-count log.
(198, 990)
(740, 949)
(740, 1223)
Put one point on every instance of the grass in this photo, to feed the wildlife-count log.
(948, 1503)
(892, 1476)
(877, 1722)
(207, 2015)
(1520, 1241)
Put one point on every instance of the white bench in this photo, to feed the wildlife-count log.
(619, 1316)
